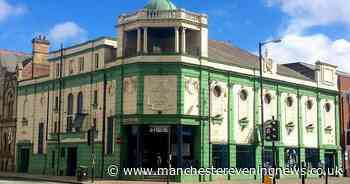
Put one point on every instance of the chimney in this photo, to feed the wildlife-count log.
(40, 50)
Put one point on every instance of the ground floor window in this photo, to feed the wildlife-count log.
(312, 157)
(53, 160)
(291, 157)
(268, 158)
(220, 156)
(245, 156)
(110, 127)
(187, 147)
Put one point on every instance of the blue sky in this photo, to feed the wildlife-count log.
(312, 30)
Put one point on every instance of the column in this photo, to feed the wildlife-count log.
(138, 40)
(183, 51)
(145, 40)
(177, 40)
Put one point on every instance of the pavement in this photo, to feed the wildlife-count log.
(19, 178)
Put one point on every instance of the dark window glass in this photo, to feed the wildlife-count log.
(41, 138)
(220, 156)
(80, 103)
(245, 156)
(268, 158)
(53, 159)
(97, 58)
(56, 103)
(291, 157)
(312, 158)
(110, 127)
(95, 98)
(70, 104)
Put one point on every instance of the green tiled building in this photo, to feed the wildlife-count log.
(163, 88)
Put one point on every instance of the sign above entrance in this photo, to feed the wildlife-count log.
(158, 129)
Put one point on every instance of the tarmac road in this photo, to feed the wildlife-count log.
(10, 181)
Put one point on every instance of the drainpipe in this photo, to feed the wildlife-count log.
(104, 124)
(59, 113)
(47, 127)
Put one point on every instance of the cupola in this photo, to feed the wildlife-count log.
(162, 29)
(160, 5)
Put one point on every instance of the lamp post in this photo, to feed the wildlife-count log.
(261, 44)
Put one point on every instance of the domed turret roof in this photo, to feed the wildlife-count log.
(160, 5)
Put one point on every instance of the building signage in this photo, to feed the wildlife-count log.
(158, 129)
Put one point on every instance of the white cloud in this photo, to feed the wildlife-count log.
(308, 13)
(67, 32)
(302, 48)
(7, 10)
(297, 45)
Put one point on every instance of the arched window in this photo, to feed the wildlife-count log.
(9, 105)
(70, 104)
(70, 112)
(80, 102)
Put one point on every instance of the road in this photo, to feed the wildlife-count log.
(10, 181)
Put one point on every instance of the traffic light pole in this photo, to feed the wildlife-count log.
(262, 112)
(274, 162)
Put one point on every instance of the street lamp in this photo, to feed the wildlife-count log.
(261, 44)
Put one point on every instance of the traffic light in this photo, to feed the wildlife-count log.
(272, 130)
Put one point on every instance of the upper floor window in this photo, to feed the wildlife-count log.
(81, 64)
(56, 104)
(95, 98)
(80, 103)
(58, 69)
(97, 60)
(70, 104)
(41, 138)
(70, 67)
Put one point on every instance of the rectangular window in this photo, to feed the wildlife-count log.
(95, 98)
(245, 156)
(63, 152)
(110, 127)
(312, 158)
(81, 64)
(70, 68)
(55, 127)
(53, 159)
(41, 139)
(69, 124)
(348, 137)
(56, 104)
(97, 62)
(291, 157)
(268, 158)
(58, 69)
(220, 156)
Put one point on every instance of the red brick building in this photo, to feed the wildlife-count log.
(344, 87)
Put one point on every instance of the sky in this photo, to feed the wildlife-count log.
(311, 30)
